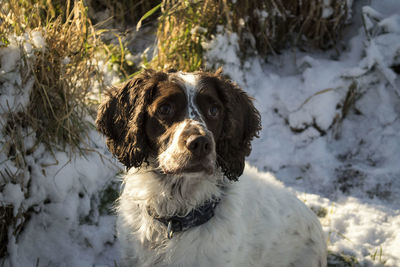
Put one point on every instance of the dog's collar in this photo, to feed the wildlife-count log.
(195, 217)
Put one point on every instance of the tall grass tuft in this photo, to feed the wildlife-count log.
(263, 27)
(56, 44)
(183, 26)
(63, 71)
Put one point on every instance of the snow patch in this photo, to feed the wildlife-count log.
(12, 194)
(38, 39)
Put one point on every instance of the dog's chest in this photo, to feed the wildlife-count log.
(218, 242)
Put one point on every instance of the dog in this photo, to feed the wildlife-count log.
(183, 138)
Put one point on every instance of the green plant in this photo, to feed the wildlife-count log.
(123, 12)
(118, 59)
(378, 256)
(108, 197)
(342, 260)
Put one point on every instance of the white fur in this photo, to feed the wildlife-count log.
(256, 223)
(190, 86)
(173, 157)
(167, 158)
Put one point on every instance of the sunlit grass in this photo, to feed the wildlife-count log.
(263, 27)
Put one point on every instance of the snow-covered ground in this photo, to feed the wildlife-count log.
(331, 133)
(331, 129)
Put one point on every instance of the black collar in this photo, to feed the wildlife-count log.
(195, 217)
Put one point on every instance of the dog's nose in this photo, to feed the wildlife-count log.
(199, 145)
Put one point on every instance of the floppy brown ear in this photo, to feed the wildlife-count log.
(241, 124)
(122, 115)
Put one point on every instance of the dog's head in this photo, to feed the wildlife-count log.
(180, 122)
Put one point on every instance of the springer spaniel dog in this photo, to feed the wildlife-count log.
(184, 138)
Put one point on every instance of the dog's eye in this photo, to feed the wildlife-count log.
(165, 110)
(213, 111)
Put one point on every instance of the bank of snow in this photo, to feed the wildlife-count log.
(331, 129)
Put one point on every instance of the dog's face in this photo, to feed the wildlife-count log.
(180, 123)
(184, 119)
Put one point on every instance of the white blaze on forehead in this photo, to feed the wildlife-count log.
(190, 86)
(189, 78)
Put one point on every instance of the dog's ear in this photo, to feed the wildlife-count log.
(121, 118)
(241, 124)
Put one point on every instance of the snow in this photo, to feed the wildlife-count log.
(346, 162)
(12, 194)
(38, 39)
(320, 108)
(363, 224)
(66, 225)
(327, 10)
(9, 56)
(331, 134)
(223, 49)
(61, 226)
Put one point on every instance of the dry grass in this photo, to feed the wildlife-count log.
(123, 12)
(62, 73)
(263, 27)
(6, 218)
(294, 22)
(183, 26)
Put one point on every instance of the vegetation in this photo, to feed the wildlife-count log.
(263, 27)
(63, 71)
(57, 45)
(122, 13)
(342, 260)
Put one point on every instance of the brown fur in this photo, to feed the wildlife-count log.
(122, 116)
(241, 124)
